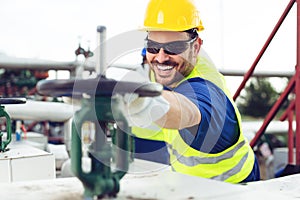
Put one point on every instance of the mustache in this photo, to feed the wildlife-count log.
(168, 63)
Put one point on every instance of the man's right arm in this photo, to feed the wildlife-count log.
(183, 113)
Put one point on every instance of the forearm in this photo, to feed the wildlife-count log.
(182, 113)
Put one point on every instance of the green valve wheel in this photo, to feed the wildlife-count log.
(113, 142)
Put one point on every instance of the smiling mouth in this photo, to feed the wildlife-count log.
(165, 67)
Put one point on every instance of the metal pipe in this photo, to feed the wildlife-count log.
(262, 51)
(289, 115)
(67, 134)
(101, 63)
(297, 90)
(290, 138)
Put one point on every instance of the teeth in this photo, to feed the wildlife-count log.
(164, 67)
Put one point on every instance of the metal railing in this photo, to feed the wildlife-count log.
(293, 86)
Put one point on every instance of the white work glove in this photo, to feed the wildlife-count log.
(142, 111)
(139, 111)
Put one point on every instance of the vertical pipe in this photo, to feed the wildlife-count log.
(290, 138)
(101, 64)
(297, 91)
(67, 134)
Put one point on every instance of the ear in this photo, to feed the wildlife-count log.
(197, 45)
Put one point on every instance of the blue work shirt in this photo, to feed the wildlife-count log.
(217, 131)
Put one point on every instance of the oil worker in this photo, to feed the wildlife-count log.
(195, 115)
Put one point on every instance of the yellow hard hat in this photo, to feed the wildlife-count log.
(172, 15)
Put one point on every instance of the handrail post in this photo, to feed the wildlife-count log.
(297, 90)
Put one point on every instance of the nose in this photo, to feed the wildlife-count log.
(162, 56)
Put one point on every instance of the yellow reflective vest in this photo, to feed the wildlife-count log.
(233, 165)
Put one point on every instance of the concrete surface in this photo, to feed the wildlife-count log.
(157, 182)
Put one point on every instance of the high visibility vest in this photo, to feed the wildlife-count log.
(233, 164)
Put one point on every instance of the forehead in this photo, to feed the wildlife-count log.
(167, 36)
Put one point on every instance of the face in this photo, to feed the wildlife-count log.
(170, 69)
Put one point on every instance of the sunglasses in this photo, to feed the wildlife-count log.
(171, 48)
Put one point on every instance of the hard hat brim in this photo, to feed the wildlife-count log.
(147, 29)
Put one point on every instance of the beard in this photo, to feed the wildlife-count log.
(171, 77)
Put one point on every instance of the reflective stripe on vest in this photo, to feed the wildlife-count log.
(233, 171)
(196, 160)
(233, 164)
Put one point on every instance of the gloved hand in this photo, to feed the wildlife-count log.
(139, 111)
(142, 111)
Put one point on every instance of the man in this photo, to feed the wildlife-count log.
(200, 125)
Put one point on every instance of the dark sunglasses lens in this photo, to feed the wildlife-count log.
(156, 51)
(175, 48)
(171, 48)
(152, 50)
(152, 47)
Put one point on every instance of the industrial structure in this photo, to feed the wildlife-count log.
(108, 153)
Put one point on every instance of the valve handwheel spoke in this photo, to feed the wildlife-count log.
(100, 86)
